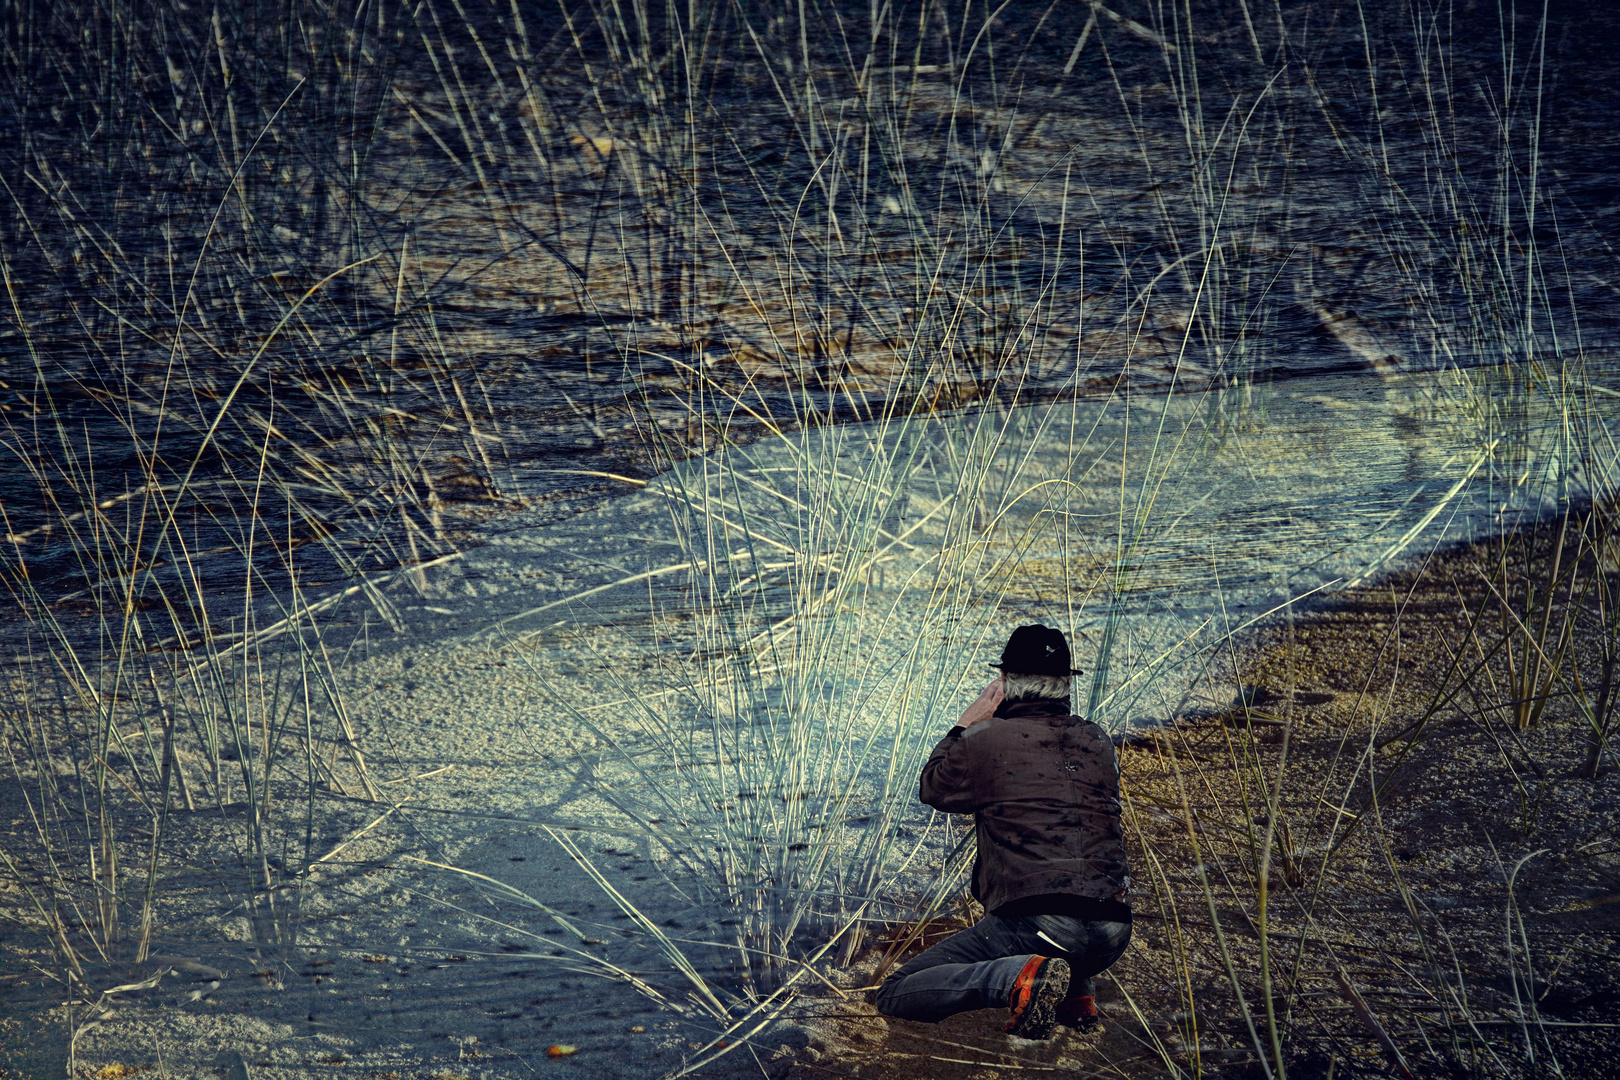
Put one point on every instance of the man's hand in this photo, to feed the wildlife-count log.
(984, 706)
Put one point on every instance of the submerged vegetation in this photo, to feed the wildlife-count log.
(929, 317)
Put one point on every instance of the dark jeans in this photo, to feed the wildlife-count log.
(976, 968)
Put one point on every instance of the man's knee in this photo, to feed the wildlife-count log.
(885, 995)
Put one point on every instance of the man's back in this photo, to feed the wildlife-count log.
(1044, 789)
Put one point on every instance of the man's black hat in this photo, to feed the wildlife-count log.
(1037, 650)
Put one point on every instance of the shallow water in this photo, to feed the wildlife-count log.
(758, 650)
(627, 705)
(1220, 506)
(553, 298)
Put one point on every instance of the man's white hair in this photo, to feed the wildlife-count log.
(1017, 686)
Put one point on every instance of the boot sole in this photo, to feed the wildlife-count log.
(1039, 1017)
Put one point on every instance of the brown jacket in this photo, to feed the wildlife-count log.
(1044, 791)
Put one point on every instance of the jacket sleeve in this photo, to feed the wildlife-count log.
(947, 777)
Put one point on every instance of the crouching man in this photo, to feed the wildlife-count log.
(1043, 786)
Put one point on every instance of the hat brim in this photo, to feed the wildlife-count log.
(1072, 671)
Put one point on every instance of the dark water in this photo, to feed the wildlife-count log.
(590, 249)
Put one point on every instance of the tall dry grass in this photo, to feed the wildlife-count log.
(230, 412)
(1462, 240)
(276, 278)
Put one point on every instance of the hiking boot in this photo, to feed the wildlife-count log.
(1035, 996)
(1079, 1013)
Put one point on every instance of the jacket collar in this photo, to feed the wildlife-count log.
(1039, 707)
